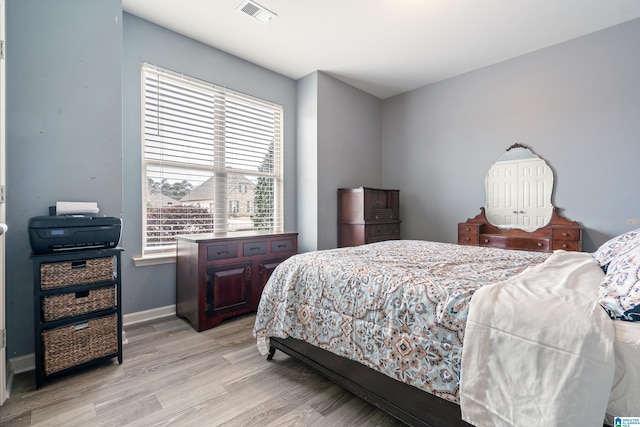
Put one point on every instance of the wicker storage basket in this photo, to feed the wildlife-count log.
(71, 304)
(60, 274)
(73, 345)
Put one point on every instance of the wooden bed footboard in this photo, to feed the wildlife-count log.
(405, 402)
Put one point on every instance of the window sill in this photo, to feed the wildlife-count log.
(148, 260)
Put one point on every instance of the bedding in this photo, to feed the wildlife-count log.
(539, 348)
(617, 246)
(619, 292)
(624, 400)
(399, 307)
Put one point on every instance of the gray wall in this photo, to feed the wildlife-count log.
(72, 134)
(154, 286)
(577, 105)
(64, 127)
(306, 162)
(339, 145)
(349, 148)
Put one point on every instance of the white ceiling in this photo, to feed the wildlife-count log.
(384, 47)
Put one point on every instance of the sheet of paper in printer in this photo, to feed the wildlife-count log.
(77, 208)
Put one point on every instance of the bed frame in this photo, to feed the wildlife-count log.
(409, 404)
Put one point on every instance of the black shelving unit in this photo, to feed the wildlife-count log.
(77, 310)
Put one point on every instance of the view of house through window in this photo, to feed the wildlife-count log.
(212, 160)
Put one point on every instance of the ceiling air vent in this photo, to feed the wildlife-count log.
(256, 11)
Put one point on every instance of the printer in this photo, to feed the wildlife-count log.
(55, 233)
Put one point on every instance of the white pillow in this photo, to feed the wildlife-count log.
(616, 246)
(620, 289)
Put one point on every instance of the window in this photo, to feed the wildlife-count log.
(200, 141)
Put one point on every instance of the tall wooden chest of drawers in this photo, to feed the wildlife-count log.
(77, 307)
(367, 215)
(222, 275)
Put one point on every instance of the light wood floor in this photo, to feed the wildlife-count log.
(172, 375)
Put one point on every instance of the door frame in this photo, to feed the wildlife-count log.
(3, 348)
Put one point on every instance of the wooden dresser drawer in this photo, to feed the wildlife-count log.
(567, 245)
(510, 242)
(382, 214)
(226, 251)
(254, 248)
(567, 239)
(285, 245)
(468, 234)
(382, 230)
(565, 234)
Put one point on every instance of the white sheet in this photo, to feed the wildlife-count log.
(538, 348)
(624, 400)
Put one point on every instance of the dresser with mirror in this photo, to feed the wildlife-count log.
(519, 213)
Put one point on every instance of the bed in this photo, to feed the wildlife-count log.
(387, 322)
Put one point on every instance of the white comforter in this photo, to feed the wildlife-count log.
(538, 348)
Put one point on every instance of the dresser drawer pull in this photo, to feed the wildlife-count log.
(540, 244)
(468, 229)
(486, 240)
(223, 252)
(80, 326)
(82, 294)
(78, 264)
(283, 245)
(565, 234)
(564, 245)
(255, 248)
(377, 216)
(467, 238)
(378, 228)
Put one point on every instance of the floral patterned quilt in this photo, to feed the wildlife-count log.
(399, 306)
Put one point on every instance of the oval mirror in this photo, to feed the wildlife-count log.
(518, 189)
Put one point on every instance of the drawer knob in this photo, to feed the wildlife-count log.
(468, 229)
(564, 245)
(377, 216)
(468, 239)
(540, 244)
(565, 234)
(486, 240)
(378, 228)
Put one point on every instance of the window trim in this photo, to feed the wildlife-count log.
(155, 255)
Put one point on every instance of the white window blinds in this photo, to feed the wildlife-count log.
(212, 160)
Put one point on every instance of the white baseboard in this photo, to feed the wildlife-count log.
(146, 315)
(20, 364)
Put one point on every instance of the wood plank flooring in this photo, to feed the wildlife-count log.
(173, 375)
